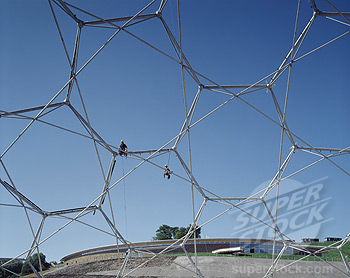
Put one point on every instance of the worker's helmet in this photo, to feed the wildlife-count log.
(166, 165)
(122, 141)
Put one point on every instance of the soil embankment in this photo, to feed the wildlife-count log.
(212, 267)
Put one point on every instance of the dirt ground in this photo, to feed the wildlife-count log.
(81, 270)
(209, 267)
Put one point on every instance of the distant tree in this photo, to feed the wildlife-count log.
(165, 232)
(15, 266)
(26, 269)
(34, 260)
(198, 231)
(182, 231)
(174, 231)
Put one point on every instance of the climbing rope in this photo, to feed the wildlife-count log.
(124, 193)
(169, 158)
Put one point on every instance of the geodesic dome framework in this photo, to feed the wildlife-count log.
(179, 144)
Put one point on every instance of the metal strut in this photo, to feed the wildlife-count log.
(22, 197)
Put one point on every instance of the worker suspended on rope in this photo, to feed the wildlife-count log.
(123, 149)
(167, 172)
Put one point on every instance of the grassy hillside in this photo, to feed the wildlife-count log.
(333, 255)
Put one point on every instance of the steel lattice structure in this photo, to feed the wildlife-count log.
(101, 203)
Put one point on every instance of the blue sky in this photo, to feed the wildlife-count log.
(133, 92)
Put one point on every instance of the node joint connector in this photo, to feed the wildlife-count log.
(295, 147)
(317, 12)
(66, 102)
(80, 24)
(201, 87)
(159, 14)
(269, 86)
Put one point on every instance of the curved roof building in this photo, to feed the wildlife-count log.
(150, 248)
